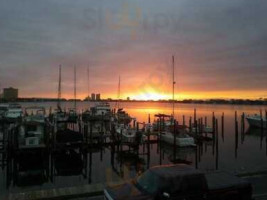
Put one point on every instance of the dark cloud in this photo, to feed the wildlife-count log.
(219, 45)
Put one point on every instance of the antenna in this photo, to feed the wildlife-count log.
(75, 87)
(173, 84)
(59, 89)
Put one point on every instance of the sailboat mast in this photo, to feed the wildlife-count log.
(119, 92)
(173, 83)
(59, 88)
(75, 87)
(88, 86)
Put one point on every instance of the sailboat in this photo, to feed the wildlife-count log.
(72, 114)
(100, 111)
(182, 139)
(122, 116)
(59, 116)
(87, 113)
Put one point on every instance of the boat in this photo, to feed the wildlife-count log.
(72, 113)
(32, 129)
(123, 117)
(180, 137)
(3, 110)
(60, 116)
(257, 121)
(100, 111)
(14, 113)
(126, 134)
(72, 116)
(164, 122)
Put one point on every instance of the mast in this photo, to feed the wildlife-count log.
(88, 86)
(59, 89)
(173, 84)
(119, 92)
(75, 87)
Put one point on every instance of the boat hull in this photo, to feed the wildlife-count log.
(180, 141)
(257, 122)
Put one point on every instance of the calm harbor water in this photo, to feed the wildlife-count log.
(104, 164)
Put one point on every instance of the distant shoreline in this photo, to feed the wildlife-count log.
(187, 101)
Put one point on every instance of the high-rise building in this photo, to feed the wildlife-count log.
(93, 96)
(98, 97)
(10, 93)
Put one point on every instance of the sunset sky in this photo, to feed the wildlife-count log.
(220, 47)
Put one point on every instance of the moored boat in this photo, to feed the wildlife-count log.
(257, 121)
(14, 113)
(182, 139)
(32, 129)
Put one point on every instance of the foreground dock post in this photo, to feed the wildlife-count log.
(217, 145)
(223, 126)
(236, 134)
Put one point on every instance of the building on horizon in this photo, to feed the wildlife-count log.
(98, 97)
(10, 93)
(93, 96)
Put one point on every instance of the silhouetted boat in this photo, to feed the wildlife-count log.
(123, 117)
(100, 111)
(32, 129)
(257, 121)
(129, 135)
(14, 113)
(3, 110)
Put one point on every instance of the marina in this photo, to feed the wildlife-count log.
(133, 100)
(93, 151)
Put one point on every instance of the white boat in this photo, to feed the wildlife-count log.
(3, 110)
(14, 113)
(101, 109)
(32, 129)
(128, 134)
(182, 140)
(257, 121)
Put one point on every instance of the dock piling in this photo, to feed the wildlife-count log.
(223, 126)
